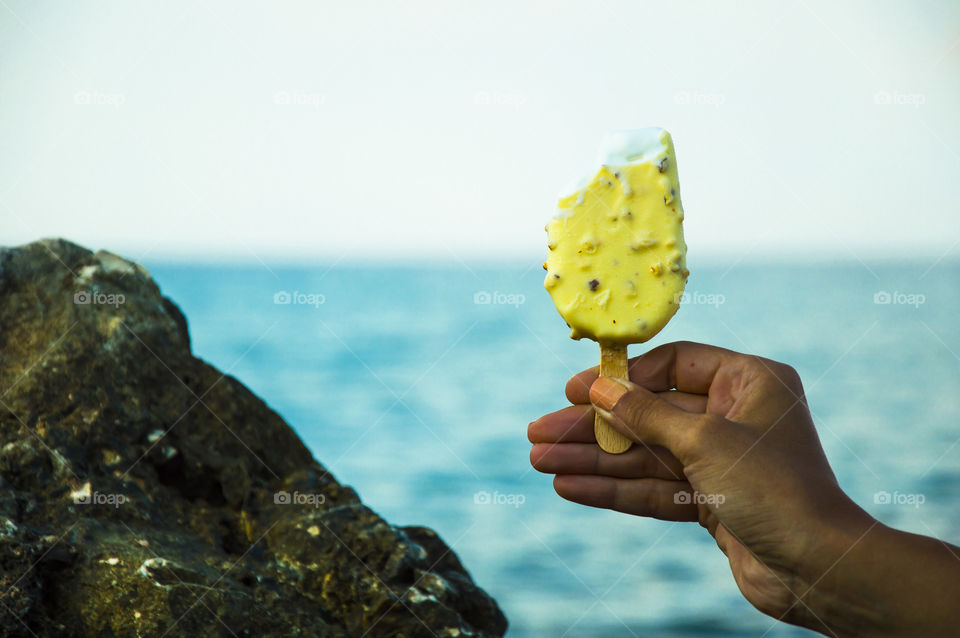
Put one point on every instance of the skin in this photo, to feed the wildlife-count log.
(736, 429)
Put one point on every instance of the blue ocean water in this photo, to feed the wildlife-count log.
(408, 386)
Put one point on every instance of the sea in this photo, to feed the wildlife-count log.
(414, 383)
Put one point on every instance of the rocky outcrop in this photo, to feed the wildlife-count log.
(145, 493)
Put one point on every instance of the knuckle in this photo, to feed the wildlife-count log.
(789, 375)
(785, 379)
(774, 374)
(621, 501)
(757, 365)
(646, 501)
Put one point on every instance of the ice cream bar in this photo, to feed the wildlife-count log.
(616, 266)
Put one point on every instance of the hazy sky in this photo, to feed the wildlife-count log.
(324, 129)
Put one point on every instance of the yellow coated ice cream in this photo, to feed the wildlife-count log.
(616, 267)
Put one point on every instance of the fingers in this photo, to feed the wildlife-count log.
(642, 497)
(685, 401)
(578, 387)
(574, 424)
(587, 458)
(702, 369)
(683, 365)
(645, 417)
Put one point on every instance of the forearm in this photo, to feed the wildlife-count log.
(884, 582)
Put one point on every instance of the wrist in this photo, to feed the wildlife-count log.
(872, 580)
(834, 598)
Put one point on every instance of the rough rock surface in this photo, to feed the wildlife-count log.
(139, 485)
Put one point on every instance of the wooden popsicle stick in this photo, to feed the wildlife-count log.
(613, 363)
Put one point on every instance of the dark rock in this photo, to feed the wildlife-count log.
(141, 490)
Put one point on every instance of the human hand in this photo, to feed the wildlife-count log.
(733, 433)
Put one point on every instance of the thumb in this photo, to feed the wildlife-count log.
(646, 418)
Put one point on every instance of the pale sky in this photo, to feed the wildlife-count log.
(320, 130)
